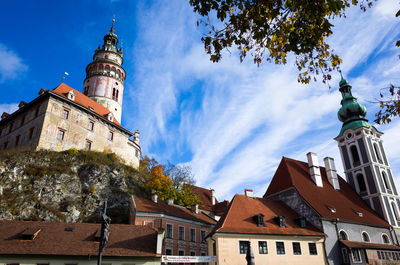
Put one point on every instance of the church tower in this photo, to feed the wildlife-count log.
(104, 82)
(364, 160)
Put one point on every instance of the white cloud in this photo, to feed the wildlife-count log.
(233, 121)
(9, 108)
(11, 65)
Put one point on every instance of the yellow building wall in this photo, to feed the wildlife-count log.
(77, 133)
(227, 250)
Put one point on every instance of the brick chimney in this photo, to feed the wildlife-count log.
(331, 172)
(313, 168)
(248, 193)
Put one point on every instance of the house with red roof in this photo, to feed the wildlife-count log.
(28, 242)
(275, 234)
(185, 228)
(64, 118)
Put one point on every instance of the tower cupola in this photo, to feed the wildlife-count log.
(104, 82)
(352, 113)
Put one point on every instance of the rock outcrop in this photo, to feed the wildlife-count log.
(68, 186)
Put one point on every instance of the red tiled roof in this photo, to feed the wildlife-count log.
(204, 196)
(294, 174)
(220, 208)
(367, 245)
(83, 100)
(239, 218)
(146, 205)
(53, 239)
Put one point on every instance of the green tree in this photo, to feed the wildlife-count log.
(270, 30)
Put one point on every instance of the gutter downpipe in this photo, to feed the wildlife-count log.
(215, 242)
(337, 235)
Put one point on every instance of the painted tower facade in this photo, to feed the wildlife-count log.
(364, 160)
(104, 82)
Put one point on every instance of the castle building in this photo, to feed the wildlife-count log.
(64, 118)
(364, 160)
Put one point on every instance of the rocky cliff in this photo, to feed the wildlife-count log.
(64, 186)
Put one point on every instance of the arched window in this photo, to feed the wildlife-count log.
(343, 235)
(106, 56)
(361, 183)
(378, 156)
(395, 211)
(354, 154)
(115, 94)
(107, 68)
(365, 236)
(385, 180)
(385, 239)
(101, 68)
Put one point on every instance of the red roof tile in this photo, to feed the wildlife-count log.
(367, 245)
(83, 100)
(204, 196)
(146, 205)
(239, 218)
(53, 239)
(294, 174)
(220, 208)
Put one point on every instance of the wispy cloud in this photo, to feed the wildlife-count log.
(9, 108)
(11, 64)
(233, 121)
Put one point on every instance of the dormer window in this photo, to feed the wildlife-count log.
(301, 221)
(110, 116)
(281, 221)
(259, 219)
(71, 95)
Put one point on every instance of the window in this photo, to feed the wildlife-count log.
(394, 209)
(365, 236)
(243, 246)
(115, 94)
(88, 145)
(17, 138)
(203, 236)
(343, 235)
(354, 154)
(91, 126)
(192, 234)
(61, 134)
(379, 254)
(361, 183)
(356, 255)
(168, 251)
(169, 231)
(181, 233)
(31, 132)
(65, 114)
(86, 90)
(312, 247)
(110, 136)
(345, 255)
(385, 239)
(378, 156)
(296, 248)
(37, 111)
(280, 248)
(262, 247)
(11, 127)
(385, 180)
(192, 253)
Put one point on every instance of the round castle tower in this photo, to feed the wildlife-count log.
(104, 82)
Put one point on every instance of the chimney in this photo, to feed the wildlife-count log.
(136, 136)
(170, 201)
(248, 193)
(331, 172)
(154, 198)
(195, 208)
(313, 168)
(212, 196)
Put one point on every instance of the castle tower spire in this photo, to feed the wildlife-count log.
(364, 159)
(104, 82)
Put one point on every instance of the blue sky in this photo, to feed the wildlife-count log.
(231, 122)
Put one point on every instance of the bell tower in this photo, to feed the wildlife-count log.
(104, 82)
(364, 159)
